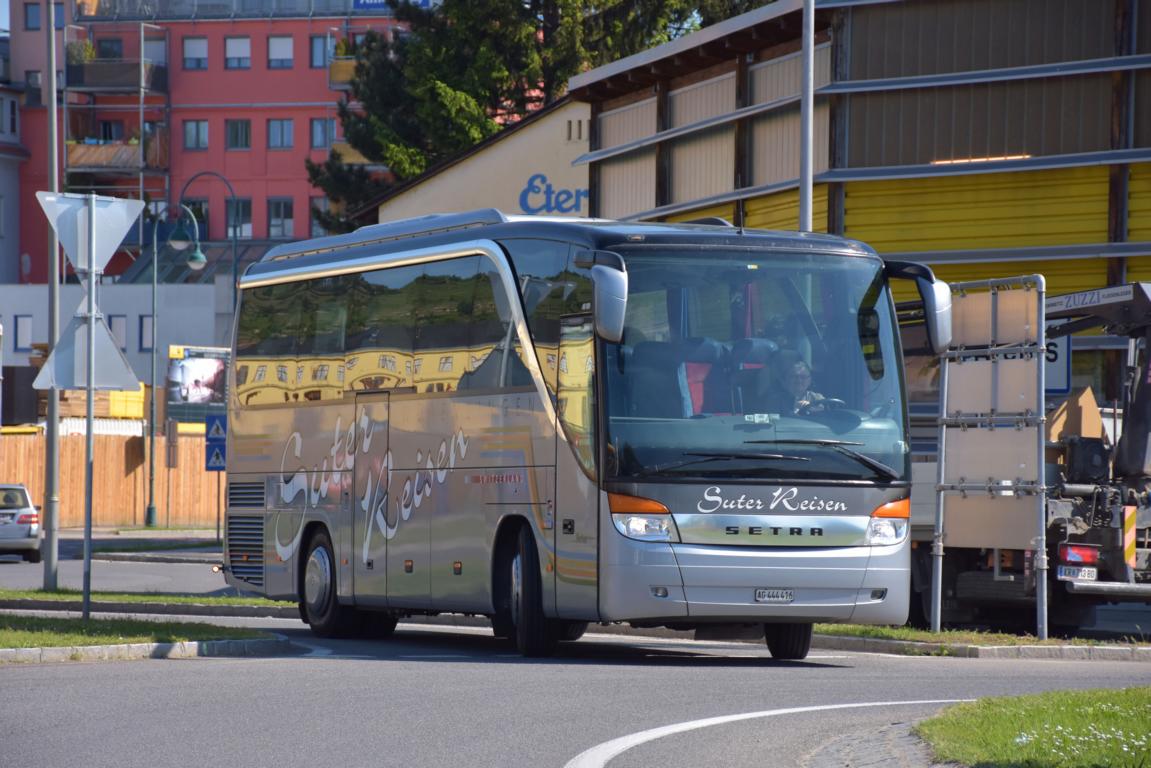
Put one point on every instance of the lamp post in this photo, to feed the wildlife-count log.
(232, 197)
(195, 261)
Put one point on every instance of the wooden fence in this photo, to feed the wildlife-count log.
(187, 496)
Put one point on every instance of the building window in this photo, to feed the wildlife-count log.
(31, 16)
(195, 134)
(118, 324)
(261, 373)
(110, 48)
(318, 204)
(12, 112)
(238, 134)
(22, 338)
(280, 217)
(145, 333)
(446, 363)
(32, 96)
(239, 218)
(111, 130)
(323, 132)
(199, 209)
(195, 53)
(237, 53)
(280, 133)
(322, 48)
(279, 52)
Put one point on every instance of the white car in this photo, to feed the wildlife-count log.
(19, 524)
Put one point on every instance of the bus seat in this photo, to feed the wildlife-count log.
(749, 360)
(705, 363)
(658, 381)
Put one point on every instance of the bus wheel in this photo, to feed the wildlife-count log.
(533, 633)
(788, 641)
(318, 603)
(377, 625)
(570, 631)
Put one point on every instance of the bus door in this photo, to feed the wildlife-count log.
(576, 529)
(371, 501)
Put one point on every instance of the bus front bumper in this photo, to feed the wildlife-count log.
(677, 582)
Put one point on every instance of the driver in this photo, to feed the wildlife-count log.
(789, 390)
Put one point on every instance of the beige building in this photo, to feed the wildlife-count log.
(525, 169)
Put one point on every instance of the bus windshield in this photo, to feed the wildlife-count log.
(748, 363)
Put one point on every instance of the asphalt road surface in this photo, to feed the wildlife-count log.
(442, 697)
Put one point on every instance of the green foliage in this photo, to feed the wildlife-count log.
(462, 70)
(1066, 729)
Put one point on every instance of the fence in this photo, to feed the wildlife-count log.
(186, 496)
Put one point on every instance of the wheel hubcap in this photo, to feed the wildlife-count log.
(517, 589)
(318, 579)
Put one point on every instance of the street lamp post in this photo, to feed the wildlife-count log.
(195, 261)
(232, 197)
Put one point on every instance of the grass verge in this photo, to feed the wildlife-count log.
(955, 637)
(1068, 729)
(72, 595)
(51, 632)
(154, 546)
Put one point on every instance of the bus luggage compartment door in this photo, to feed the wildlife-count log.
(370, 500)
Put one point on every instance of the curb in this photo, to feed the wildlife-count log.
(826, 642)
(131, 651)
(131, 557)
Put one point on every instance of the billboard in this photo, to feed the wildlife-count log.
(196, 382)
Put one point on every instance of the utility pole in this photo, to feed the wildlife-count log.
(52, 429)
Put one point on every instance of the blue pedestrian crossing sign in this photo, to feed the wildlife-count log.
(216, 458)
(216, 442)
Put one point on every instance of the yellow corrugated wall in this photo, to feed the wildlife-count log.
(781, 210)
(725, 211)
(1139, 206)
(991, 210)
(1062, 275)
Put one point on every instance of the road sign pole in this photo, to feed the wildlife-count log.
(52, 428)
(90, 426)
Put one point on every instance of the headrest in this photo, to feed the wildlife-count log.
(655, 354)
(753, 351)
(702, 350)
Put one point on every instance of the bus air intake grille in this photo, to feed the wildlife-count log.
(246, 495)
(245, 548)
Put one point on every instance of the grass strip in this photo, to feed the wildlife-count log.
(72, 595)
(958, 637)
(53, 632)
(1067, 729)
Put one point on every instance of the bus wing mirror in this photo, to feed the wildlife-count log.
(936, 296)
(610, 301)
(936, 312)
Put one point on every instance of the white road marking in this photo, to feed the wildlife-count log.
(599, 755)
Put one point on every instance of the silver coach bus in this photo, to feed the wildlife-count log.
(555, 422)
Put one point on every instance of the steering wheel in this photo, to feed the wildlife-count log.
(827, 403)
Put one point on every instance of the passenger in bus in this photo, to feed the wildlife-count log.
(788, 389)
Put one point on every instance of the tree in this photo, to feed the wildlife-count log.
(462, 70)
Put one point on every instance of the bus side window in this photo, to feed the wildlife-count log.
(445, 314)
(550, 287)
(380, 335)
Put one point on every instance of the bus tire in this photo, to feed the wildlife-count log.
(789, 642)
(377, 625)
(570, 631)
(534, 633)
(318, 602)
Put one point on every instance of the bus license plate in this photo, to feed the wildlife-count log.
(774, 595)
(1075, 573)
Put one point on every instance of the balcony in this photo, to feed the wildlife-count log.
(341, 71)
(116, 75)
(124, 10)
(350, 154)
(130, 155)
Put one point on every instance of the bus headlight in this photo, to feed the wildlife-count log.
(889, 523)
(642, 519)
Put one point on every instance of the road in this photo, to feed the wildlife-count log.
(436, 697)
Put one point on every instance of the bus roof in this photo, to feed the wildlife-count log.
(489, 223)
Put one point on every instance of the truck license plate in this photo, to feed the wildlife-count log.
(1075, 573)
(774, 595)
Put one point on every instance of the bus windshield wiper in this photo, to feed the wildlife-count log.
(702, 457)
(885, 472)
